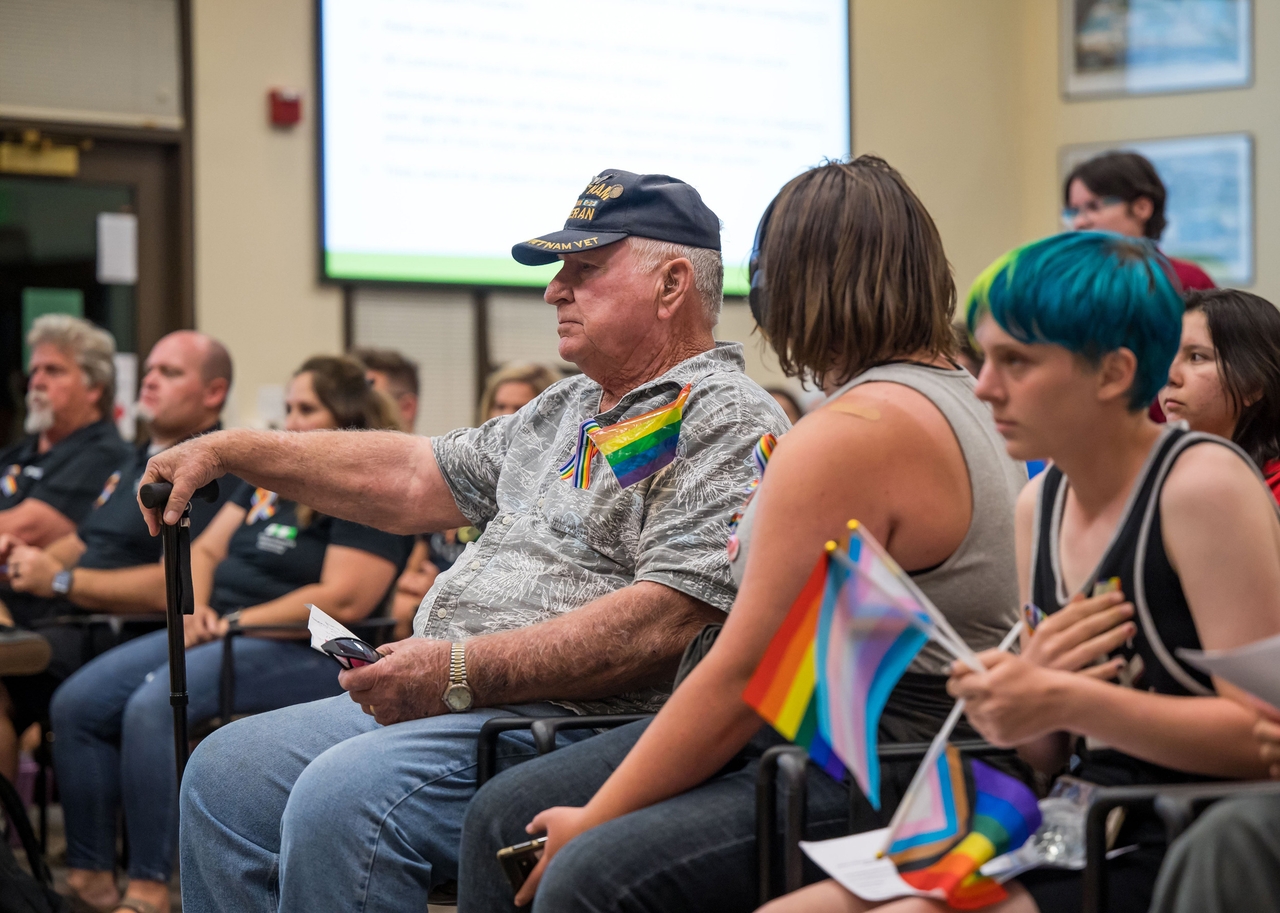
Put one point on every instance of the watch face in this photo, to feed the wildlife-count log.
(458, 698)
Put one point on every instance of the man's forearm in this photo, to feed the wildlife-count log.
(121, 591)
(629, 639)
(380, 478)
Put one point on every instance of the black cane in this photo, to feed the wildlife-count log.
(179, 600)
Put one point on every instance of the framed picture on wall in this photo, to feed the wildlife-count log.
(1138, 47)
(1209, 198)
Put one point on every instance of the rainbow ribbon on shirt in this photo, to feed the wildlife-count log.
(634, 449)
(262, 506)
(9, 484)
(109, 489)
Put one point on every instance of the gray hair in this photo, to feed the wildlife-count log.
(92, 347)
(708, 268)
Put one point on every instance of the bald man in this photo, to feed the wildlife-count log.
(110, 564)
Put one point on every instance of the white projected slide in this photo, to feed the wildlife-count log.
(453, 129)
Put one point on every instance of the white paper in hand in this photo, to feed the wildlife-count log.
(1254, 667)
(852, 862)
(324, 629)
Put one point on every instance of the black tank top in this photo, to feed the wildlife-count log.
(1136, 555)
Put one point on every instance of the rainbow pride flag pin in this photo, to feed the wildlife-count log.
(634, 449)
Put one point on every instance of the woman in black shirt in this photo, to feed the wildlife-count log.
(258, 562)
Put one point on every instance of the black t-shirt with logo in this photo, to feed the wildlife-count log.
(69, 476)
(116, 536)
(270, 555)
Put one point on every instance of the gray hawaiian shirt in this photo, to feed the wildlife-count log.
(548, 548)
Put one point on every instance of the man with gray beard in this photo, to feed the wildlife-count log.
(50, 479)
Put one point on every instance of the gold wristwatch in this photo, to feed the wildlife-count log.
(457, 696)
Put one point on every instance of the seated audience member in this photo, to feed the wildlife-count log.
(511, 387)
(1079, 331)
(580, 593)
(788, 403)
(1229, 860)
(50, 479)
(111, 563)
(1225, 378)
(904, 446)
(1123, 193)
(258, 562)
(396, 378)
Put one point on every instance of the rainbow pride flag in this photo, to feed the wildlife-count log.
(1005, 814)
(829, 669)
(634, 449)
(638, 447)
(782, 688)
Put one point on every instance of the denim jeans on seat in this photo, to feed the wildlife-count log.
(319, 808)
(114, 737)
(695, 852)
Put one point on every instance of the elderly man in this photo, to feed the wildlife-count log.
(49, 479)
(111, 563)
(591, 575)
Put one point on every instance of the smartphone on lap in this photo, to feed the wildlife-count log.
(519, 860)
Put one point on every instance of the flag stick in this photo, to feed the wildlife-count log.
(936, 748)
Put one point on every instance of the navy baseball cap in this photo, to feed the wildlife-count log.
(618, 204)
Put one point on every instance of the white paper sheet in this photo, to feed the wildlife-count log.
(117, 248)
(324, 629)
(1254, 667)
(852, 862)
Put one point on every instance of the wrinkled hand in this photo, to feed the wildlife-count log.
(188, 466)
(560, 824)
(31, 570)
(406, 684)
(200, 627)
(1072, 638)
(1012, 702)
(1267, 732)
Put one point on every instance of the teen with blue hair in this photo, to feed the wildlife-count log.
(1138, 540)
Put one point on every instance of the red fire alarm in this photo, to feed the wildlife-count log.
(286, 107)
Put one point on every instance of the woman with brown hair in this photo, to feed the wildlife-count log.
(259, 561)
(852, 290)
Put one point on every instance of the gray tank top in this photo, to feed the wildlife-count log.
(977, 586)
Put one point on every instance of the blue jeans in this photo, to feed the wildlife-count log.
(317, 807)
(692, 853)
(114, 729)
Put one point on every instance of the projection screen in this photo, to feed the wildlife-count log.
(451, 129)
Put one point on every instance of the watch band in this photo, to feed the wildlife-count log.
(457, 664)
(62, 582)
(458, 697)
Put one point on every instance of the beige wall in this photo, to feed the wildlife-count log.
(962, 97)
(255, 195)
(1047, 122)
(933, 86)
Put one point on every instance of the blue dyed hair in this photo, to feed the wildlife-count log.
(1091, 292)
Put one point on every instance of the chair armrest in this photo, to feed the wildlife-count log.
(544, 730)
(1175, 803)
(104, 618)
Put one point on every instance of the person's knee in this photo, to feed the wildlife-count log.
(578, 880)
(70, 705)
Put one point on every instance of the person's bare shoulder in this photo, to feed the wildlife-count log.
(1210, 481)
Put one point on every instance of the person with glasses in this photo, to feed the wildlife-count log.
(1122, 193)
